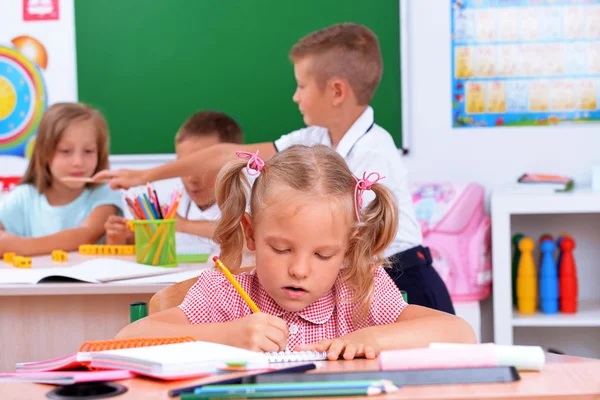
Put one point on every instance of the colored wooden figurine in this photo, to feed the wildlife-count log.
(526, 278)
(548, 278)
(568, 277)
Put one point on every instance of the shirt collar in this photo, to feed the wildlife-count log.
(356, 131)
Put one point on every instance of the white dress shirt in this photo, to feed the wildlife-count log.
(367, 147)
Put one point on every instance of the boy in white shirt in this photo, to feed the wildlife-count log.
(337, 71)
(197, 210)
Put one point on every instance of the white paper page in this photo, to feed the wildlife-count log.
(169, 278)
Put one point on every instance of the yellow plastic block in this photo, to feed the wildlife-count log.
(84, 249)
(59, 256)
(8, 257)
(22, 262)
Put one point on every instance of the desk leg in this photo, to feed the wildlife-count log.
(35, 328)
(503, 332)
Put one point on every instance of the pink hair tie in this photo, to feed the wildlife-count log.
(361, 185)
(255, 163)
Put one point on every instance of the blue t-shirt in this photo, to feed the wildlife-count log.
(25, 212)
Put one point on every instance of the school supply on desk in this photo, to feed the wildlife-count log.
(97, 270)
(154, 227)
(179, 360)
(294, 389)
(66, 377)
(451, 355)
(404, 377)
(248, 378)
(183, 360)
(82, 357)
(235, 284)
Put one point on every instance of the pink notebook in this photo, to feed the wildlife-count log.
(66, 377)
(71, 361)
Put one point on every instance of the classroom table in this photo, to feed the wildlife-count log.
(43, 321)
(563, 377)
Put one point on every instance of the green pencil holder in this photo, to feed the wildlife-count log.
(155, 242)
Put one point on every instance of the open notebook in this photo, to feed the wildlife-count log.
(96, 270)
(165, 358)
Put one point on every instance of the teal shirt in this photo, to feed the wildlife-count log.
(26, 212)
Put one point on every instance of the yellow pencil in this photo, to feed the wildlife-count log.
(235, 284)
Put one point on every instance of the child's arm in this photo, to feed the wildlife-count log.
(90, 231)
(258, 331)
(198, 228)
(206, 162)
(415, 327)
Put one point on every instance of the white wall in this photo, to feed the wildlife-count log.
(494, 157)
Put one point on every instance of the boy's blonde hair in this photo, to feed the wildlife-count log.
(54, 122)
(321, 173)
(205, 123)
(348, 51)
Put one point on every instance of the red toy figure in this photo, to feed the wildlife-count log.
(568, 277)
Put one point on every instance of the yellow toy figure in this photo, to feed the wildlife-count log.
(526, 278)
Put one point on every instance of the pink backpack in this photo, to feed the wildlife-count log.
(457, 231)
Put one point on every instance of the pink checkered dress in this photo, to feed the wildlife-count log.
(213, 299)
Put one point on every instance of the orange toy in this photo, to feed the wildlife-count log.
(526, 278)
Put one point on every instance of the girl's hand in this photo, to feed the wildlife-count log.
(117, 231)
(259, 332)
(344, 347)
(121, 178)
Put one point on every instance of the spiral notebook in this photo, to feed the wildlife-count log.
(165, 358)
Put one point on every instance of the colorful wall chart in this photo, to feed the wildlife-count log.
(525, 62)
(37, 69)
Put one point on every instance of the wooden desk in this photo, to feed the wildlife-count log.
(53, 319)
(562, 378)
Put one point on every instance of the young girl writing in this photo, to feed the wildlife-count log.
(318, 281)
(52, 207)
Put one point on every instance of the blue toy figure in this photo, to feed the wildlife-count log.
(548, 278)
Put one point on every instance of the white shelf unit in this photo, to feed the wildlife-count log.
(505, 205)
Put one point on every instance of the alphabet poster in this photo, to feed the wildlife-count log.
(525, 62)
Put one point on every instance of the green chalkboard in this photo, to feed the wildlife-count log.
(149, 64)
